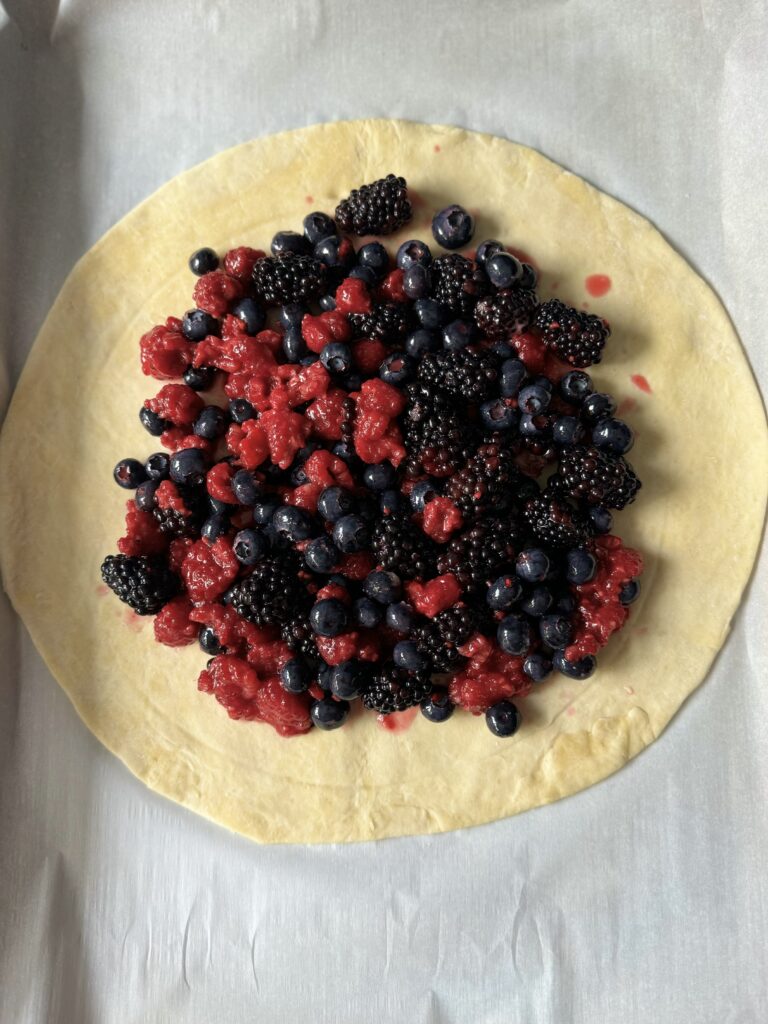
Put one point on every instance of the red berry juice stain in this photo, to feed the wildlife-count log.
(640, 630)
(102, 590)
(523, 256)
(626, 405)
(571, 711)
(309, 199)
(437, 148)
(630, 690)
(641, 383)
(555, 285)
(398, 721)
(416, 198)
(597, 284)
(132, 621)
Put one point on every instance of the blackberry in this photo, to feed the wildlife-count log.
(175, 523)
(271, 595)
(597, 477)
(143, 582)
(486, 482)
(376, 209)
(348, 422)
(470, 374)
(298, 634)
(400, 547)
(481, 553)
(506, 312)
(458, 283)
(394, 689)
(439, 638)
(278, 280)
(576, 338)
(553, 521)
(437, 438)
(389, 321)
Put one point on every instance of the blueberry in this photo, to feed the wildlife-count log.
(345, 451)
(628, 594)
(294, 522)
(390, 501)
(199, 378)
(567, 430)
(537, 602)
(214, 527)
(321, 555)
(533, 399)
(347, 679)
(579, 566)
(211, 423)
(602, 519)
(413, 252)
(152, 423)
(614, 435)
(528, 277)
(294, 346)
(196, 324)
(532, 565)
(245, 487)
(129, 473)
(576, 386)
(335, 502)
(241, 410)
(352, 382)
(566, 603)
(289, 241)
(379, 476)
(384, 587)
(399, 616)
(421, 493)
(503, 719)
(407, 655)
(317, 226)
(145, 495)
(503, 269)
(364, 274)
(453, 227)
(324, 675)
(209, 641)
(251, 314)
(497, 415)
(537, 667)
(543, 382)
(417, 281)
(598, 406)
(457, 335)
(350, 534)
(513, 373)
(396, 368)
(367, 613)
(291, 314)
(328, 617)
(264, 508)
(336, 357)
(203, 261)
(514, 634)
(501, 348)
(533, 426)
(295, 676)
(421, 341)
(430, 313)
(438, 707)
(375, 257)
(368, 508)
(503, 593)
(250, 546)
(334, 251)
(581, 669)
(329, 714)
(327, 303)
(487, 249)
(158, 466)
(188, 467)
(555, 631)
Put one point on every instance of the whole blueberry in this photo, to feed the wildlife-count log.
(240, 410)
(327, 303)
(528, 277)
(497, 415)
(251, 314)
(628, 594)
(199, 378)
(196, 324)
(328, 713)
(513, 373)
(487, 249)
(294, 346)
(413, 251)
(158, 466)
(581, 669)
(345, 450)
(214, 527)
(503, 593)
(321, 555)
(145, 495)
(457, 335)
(503, 269)
(417, 281)
(351, 534)
(318, 225)
(381, 586)
(347, 679)
(598, 406)
(379, 476)
(513, 634)
(438, 706)
(218, 507)
(453, 227)
(602, 519)
(397, 368)
(188, 466)
(555, 631)
(421, 493)
(291, 315)
(245, 487)
(375, 257)
(567, 430)
(576, 386)
(334, 251)
(152, 423)
(537, 602)
(203, 261)
(289, 241)
(566, 603)
(295, 676)
(503, 719)
(430, 313)
(352, 381)
(532, 565)
(533, 426)
(364, 274)
(211, 423)
(613, 435)
(129, 473)
(367, 613)
(537, 667)
(579, 566)
(328, 617)
(399, 616)
(209, 642)
(264, 508)
(250, 546)
(421, 341)
(335, 502)
(407, 655)
(336, 357)
(295, 523)
(533, 399)
(390, 501)
(324, 675)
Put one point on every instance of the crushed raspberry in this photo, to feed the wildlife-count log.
(286, 432)
(369, 354)
(208, 569)
(174, 439)
(352, 296)
(326, 414)
(482, 684)
(232, 631)
(176, 403)
(218, 483)
(305, 496)
(178, 550)
(435, 596)
(287, 713)
(441, 519)
(165, 352)
(238, 354)
(142, 534)
(239, 262)
(356, 566)
(391, 288)
(334, 650)
(537, 357)
(172, 624)
(215, 292)
(333, 590)
(234, 684)
(319, 331)
(324, 468)
(377, 436)
(248, 443)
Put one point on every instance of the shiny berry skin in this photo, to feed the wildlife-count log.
(197, 324)
(215, 526)
(289, 241)
(453, 227)
(209, 641)
(294, 522)
(367, 613)
(334, 251)
(457, 335)
(250, 546)
(503, 269)
(399, 616)
(351, 534)
(407, 655)
(327, 303)
(537, 602)
(532, 565)
(533, 399)
(321, 555)
(158, 466)
(336, 357)
(513, 373)
(379, 477)
(317, 226)
(145, 495)
(421, 493)
(294, 346)
(580, 566)
(556, 631)
(602, 519)
(430, 313)
(497, 415)
(421, 341)
(347, 679)
(581, 669)
(576, 386)
(251, 314)
(613, 435)
(129, 473)
(240, 410)
(364, 274)
(397, 368)
(295, 676)
(629, 592)
(245, 487)
(188, 467)
(567, 430)
(487, 249)
(413, 252)
(384, 587)
(329, 714)
(598, 406)
(335, 502)
(152, 423)
(437, 707)
(390, 501)
(537, 667)
(374, 257)
(503, 593)
(199, 378)
(528, 278)
(417, 281)
(203, 261)
(513, 634)
(503, 719)
(211, 423)
(328, 617)
(264, 508)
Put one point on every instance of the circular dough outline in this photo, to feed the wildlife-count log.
(60, 513)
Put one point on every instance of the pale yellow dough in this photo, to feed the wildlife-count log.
(62, 514)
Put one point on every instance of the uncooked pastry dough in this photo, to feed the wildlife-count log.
(361, 782)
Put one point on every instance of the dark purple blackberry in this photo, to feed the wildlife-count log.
(390, 322)
(348, 421)
(439, 639)
(144, 583)
(376, 209)
(298, 634)
(271, 595)
(506, 312)
(470, 374)
(480, 553)
(576, 338)
(597, 477)
(458, 283)
(278, 280)
(437, 437)
(394, 689)
(553, 521)
(176, 523)
(487, 481)
(400, 547)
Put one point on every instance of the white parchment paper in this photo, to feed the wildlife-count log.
(644, 898)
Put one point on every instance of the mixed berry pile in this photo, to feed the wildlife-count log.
(386, 478)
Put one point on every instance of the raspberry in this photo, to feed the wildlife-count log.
(216, 292)
(458, 283)
(507, 312)
(142, 582)
(577, 338)
(165, 352)
(177, 403)
(279, 280)
(376, 209)
(142, 535)
(208, 569)
(239, 263)
(172, 626)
